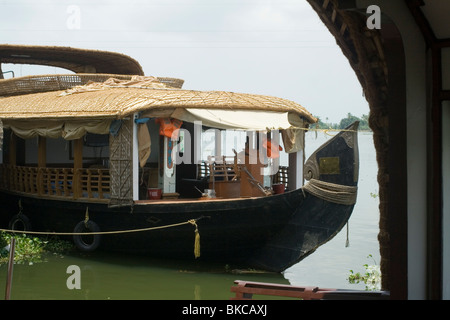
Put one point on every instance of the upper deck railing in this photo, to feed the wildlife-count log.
(92, 184)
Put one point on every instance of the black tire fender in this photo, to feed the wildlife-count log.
(80, 240)
(20, 222)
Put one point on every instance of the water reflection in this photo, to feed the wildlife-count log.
(112, 276)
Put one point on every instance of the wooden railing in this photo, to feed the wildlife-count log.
(94, 183)
(87, 183)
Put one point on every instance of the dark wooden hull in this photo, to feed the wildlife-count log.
(270, 233)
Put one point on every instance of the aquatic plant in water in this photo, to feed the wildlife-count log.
(30, 249)
(371, 278)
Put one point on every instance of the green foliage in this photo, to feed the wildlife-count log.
(345, 122)
(30, 249)
(348, 121)
(371, 278)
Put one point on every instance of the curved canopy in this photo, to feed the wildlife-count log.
(73, 59)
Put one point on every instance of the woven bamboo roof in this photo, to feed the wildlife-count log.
(119, 102)
(74, 59)
(56, 82)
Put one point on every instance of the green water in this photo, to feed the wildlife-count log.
(111, 276)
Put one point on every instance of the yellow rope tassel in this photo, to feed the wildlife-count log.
(197, 244)
(197, 240)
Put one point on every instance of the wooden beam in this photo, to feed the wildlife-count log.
(435, 200)
(344, 28)
(42, 152)
(77, 164)
(395, 221)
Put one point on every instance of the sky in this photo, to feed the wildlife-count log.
(271, 47)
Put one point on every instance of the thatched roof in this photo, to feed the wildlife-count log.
(118, 102)
(76, 60)
(57, 82)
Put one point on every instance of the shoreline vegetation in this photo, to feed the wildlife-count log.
(29, 250)
(345, 122)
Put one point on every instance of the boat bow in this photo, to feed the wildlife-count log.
(327, 202)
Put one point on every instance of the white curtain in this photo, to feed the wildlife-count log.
(69, 130)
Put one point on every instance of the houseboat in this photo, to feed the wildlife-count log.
(119, 161)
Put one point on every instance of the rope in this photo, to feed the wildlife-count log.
(192, 221)
(335, 193)
(347, 241)
(326, 130)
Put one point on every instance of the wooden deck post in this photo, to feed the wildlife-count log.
(42, 152)
(42, 162)
(77, 165)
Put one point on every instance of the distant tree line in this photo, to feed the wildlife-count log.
(344, 123)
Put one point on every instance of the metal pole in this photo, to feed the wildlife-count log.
(2, 73)
(10, 268)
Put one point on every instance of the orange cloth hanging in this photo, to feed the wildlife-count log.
(276, 148)
(169, 127)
